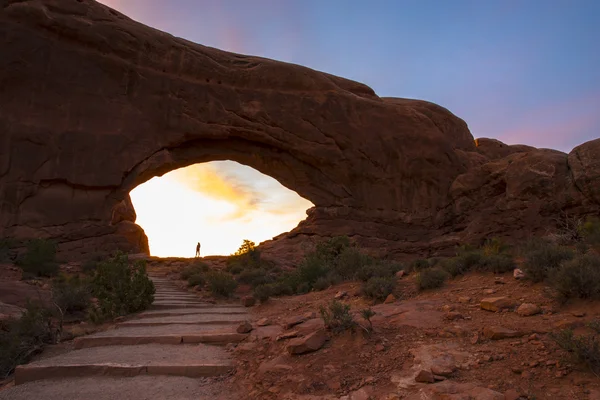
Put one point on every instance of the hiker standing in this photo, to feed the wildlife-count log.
(198, 250)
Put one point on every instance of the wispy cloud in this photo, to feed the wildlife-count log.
(208, 180)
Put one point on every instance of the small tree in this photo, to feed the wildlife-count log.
(367, 314)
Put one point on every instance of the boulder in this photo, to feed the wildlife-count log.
(244, 327)
(387, 168)
(518, 273)
(496, 303)
(390, 299)
(424, 376)
(528, 309)
(308, 343)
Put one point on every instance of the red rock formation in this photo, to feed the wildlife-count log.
(93, 104)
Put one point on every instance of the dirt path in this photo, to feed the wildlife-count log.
(170, 351)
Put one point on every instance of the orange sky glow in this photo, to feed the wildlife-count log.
(219, 204)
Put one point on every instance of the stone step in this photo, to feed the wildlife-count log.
(111, 388)
(166, 305)
(127, 361)
(161, 334)
(191, 319)
(191, 311)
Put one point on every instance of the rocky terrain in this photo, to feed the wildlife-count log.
(95, 104)
(481, 336)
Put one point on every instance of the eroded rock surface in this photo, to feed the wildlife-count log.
(94, 104)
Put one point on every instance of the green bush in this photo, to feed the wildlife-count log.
(262, 292)
(378, 269)
(542, 258)
(419, 265)
(431, 278)
(321, 284)
(312, 268)
(493, 247)
(497, 263)
(367, 314)
(22, 338)
(379, 288)
(329, 250)
(349, 261)
(246, 257)
(221, 283)
(254, 277)
(282, 288)
(71, 294)
(39, 259)
(583, 350)
(197, 268)
(578, 278)
(121, 288)
(337, 317)
(196, 280)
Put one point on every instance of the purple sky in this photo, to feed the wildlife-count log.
(519, 71)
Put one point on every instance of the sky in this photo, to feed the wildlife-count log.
(523, 72)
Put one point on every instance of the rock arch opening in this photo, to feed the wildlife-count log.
(218, 203)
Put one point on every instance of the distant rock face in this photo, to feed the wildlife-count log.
(94, 104)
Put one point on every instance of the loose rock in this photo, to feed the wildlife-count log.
(518, 274)
(496, 303)
(528, 309)
(425, 377)
(244, 327)
(497, 333)
(390, 299)
(307, 344)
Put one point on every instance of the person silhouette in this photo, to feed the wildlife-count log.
(198, 250)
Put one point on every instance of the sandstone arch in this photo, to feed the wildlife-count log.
(93, 104)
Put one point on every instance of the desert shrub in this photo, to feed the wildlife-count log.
(349, 261)
(121, 288)
(379, 287)
(196, 280)
(254, 277)
(89, 266)
(39, 259)
(497, 263)
(303, 288)
(196, 268)
(590, 230)
(337, 317)
(367, 314)
(321, 284)
(466, 260)
(542, 258)
(282, 288)
(583, 350)
(578, 278)
(493, 247)
(378, 269)
(262, 292)
(221, 283)
(419, 265)
(312, 268)
(22, 338)
(71, 294)
(431, 278)
(246, 257)
(329, 250)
